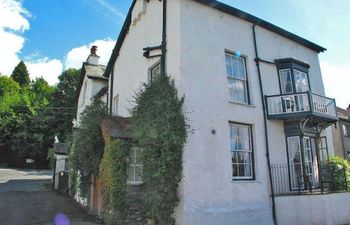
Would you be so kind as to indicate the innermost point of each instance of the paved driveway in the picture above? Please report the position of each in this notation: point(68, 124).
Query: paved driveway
point(26, 199)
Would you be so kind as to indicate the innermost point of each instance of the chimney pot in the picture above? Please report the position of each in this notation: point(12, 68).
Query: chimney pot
point(93, 50)
point(93, 57)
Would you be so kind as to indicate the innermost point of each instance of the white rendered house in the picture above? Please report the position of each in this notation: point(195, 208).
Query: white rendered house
point(92, 84)
point(255, 101)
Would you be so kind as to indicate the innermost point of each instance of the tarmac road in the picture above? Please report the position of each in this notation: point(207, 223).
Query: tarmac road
point(26, 199)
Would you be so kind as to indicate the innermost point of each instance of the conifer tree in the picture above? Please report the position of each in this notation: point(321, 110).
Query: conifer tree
point(21, 75)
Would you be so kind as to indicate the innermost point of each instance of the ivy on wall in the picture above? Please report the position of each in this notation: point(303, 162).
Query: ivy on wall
point(87, 145)
point(112, 178)
point(160, 129)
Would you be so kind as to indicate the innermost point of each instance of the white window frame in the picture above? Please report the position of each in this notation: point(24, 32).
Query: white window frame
point(234, 140)
point(306, 86)
point(231, 76)
point(115, 105)
point(282, 73)
point(346, 130)
point(151, 71)
point(133, 165)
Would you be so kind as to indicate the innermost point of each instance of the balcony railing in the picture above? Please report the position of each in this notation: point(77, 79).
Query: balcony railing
point(306, 178)
point(300, 104)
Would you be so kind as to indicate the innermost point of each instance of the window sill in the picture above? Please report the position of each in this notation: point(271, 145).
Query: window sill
point(242, 181)
point(134, 183)
point(241, 103)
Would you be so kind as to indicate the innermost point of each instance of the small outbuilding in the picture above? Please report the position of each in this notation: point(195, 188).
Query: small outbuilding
point(60, 169)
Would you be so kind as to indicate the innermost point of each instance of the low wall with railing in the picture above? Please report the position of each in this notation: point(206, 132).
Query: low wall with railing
point(308, 178)
point(328, 209)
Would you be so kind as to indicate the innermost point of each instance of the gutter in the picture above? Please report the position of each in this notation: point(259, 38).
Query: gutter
point(110, 98)
point(164, 43)
point(257, 63)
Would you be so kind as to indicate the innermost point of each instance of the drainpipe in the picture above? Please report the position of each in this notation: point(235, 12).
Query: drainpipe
point(111, 95)
point(164, 44)
point(265, 127)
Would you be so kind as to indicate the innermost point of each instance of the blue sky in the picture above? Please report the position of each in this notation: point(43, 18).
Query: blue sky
point(52, 35)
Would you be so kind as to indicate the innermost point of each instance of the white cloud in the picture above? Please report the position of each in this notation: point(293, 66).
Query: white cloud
point(13, 16)
point(77, 56)
point(13, 22)
point(336, 79)
point(46, 68)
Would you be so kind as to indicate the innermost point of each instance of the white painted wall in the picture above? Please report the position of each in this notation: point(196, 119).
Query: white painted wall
point(210, 197)
point(131, 68)
point(328, 209)
point(88, 90)
point(197, 39)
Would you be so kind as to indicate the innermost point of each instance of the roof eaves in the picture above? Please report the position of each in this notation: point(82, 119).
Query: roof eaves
point(82, 75)
point(120, 40)
point(97, 78)
point(262, 23)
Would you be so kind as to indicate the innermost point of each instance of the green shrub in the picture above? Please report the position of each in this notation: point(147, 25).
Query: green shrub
point(160, 129)
point(340, 169)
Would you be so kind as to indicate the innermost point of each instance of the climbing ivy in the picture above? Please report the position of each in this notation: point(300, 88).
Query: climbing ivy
point(159, 128)
point(112, 178)
point(87, 145)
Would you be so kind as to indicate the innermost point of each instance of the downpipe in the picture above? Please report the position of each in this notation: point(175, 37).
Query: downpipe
point(257, 60)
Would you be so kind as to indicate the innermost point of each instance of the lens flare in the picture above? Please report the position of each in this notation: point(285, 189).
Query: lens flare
point(61, 219)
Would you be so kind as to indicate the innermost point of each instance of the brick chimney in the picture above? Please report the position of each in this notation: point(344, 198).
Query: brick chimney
point(93, 57)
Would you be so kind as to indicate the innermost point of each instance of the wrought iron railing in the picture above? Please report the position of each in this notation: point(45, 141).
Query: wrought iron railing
point(306, 178)
point(300, 103)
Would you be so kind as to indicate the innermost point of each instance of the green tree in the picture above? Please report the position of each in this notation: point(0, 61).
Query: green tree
point(41, 92)
point(26, 126)
point(9, 94)
point(21, 75)
point(64, 99)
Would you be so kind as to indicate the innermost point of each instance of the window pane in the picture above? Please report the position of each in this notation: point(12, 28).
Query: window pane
point(241, 151)
point(301, 82)
point(228, 65)
point(286, 81)
point(236, 78)
point(134, 167)
point(235, 170)
point(238, 90)
point(154, 72)
point(345, 130)
point(241, 68)
point(235, 157)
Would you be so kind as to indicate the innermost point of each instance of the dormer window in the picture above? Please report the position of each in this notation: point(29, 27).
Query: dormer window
point(293, 76)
